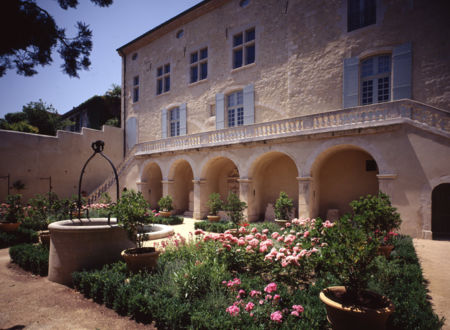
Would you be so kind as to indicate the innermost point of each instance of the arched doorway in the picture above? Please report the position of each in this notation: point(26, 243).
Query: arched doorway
point(440, 211)
point(151, 184)
point(182, 188)
point(272, 173)
point(341, 175)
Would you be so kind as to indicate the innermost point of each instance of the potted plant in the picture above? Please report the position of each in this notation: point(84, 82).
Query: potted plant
point(379, 218)
point(234, 208)
point(11, 213)
point(215, 204)
point(283, 207)
point(132, 214)
point(165, 204)
point(350, 253)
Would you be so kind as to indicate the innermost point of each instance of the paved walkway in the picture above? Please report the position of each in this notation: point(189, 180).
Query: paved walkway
point(33, 302)
point(434, 259)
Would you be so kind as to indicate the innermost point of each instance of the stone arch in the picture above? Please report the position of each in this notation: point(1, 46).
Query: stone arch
point(426, 204)
point(341, 174)
point(270, 173)
point(172, 165)
point(181, 186)
point(151, 182)
point(361, 143)
point(247, 169)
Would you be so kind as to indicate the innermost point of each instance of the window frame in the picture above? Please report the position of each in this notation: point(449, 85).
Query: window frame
point(197, 65)
point(174, 123)
point(374, 80)
point(235, 112)
point(366, 14)
point(243, 48)
point(163, 79)
point(135, 95)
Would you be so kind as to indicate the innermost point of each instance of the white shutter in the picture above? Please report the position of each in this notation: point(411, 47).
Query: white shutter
point(164, 123)
point(183, 119)
point(351, 82)
point(249, 104)
point(131, 132)
point(220, 111)
point(401, 70)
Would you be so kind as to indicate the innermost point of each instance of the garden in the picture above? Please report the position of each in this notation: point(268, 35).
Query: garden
point(235, 275)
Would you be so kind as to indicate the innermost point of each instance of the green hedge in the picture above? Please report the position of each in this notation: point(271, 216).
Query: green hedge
point(22, 235)
point(31, 257)
point(214, 227)
point(172, 220)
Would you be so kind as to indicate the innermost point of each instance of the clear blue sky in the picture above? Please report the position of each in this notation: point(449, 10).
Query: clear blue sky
point(112, 27)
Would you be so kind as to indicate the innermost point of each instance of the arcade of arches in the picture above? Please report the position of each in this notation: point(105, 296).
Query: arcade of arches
point(337, 176)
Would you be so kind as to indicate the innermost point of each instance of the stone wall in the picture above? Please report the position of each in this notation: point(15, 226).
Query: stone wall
point(33, 158)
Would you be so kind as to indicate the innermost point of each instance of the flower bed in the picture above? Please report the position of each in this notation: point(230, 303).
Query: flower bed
point(253, 280)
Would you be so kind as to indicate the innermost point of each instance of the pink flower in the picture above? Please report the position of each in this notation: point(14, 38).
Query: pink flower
point(298, 308)
point(276, 297)
point(287, 224)
point(328, 224)
point(233, 310)
point(199, 232)
point(241, 242)
point(275, 235)
point(271, 287)
point(254, 293)
point(276, 316)
point(242, 230)
point(295, 313)
point(268, 297)
point(254, 230)
point(262, 248)
point(306, 234)
point(249, 306)
point(261, 302)
point(265, 231)
point(254, 242)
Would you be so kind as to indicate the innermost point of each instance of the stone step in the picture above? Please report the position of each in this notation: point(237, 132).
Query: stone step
point(188, 214)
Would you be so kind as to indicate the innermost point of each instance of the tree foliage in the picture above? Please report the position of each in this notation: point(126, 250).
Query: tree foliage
point(30, 34)
point(36, 117)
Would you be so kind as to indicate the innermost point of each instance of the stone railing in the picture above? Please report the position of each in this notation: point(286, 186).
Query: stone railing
point(96, 194)
point(375, 115)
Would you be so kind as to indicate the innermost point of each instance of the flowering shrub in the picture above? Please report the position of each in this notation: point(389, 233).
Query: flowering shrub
point(12, 210)
point(261, 307)
point(292, 254)
point(386, 238)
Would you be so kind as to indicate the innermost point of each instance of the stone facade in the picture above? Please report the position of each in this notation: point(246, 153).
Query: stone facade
point(307, 127)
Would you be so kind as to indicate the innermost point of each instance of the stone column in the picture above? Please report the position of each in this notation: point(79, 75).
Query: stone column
point(304, 196)
point(167, 187)
point(246, 195)
point(199, 199)
point(141, 187)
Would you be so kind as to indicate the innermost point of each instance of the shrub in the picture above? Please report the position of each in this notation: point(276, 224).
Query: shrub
point(12, 210)
point(22, 235)
point(31, 257)
point(172, 220)
point(215, 203)
point(283, 206)
point(165, 203)
point(214, 227)
point(234, 208)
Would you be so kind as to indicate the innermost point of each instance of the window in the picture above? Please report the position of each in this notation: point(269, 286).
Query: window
point(244, 3)
point(134, 56)
point(360, 13)
point(163, 79)
point(136, 89)
point(375, 79)
point(180, 34)
point(244, 48)
point(174, 121)
point(199, 65)
point(235, 109)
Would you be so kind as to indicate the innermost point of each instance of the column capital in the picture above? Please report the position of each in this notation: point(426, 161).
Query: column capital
point(199, 181)
point(304, 178)
point(167, 181)
point(244, 180)
point(141, 183)
point(387, 176)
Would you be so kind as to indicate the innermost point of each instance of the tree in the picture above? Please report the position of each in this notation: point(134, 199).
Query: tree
point(36, 117)
point(30, 34)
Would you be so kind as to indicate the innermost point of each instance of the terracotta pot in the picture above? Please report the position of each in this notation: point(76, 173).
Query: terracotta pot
point(385, 250)
point(9, 227)
point(214, 218)
point(356, 317)
point(44, 237)
point(165, 214)
point(137, 259)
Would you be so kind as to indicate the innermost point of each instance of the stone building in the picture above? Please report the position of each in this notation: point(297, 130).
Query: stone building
point(325, 100)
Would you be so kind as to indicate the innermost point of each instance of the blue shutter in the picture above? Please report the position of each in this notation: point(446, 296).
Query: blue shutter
point(220, 111)
point(351, 82)
point(401, 70)
point(183, 119)
point(131, 132)
point(164, 123)
point(249, 104)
